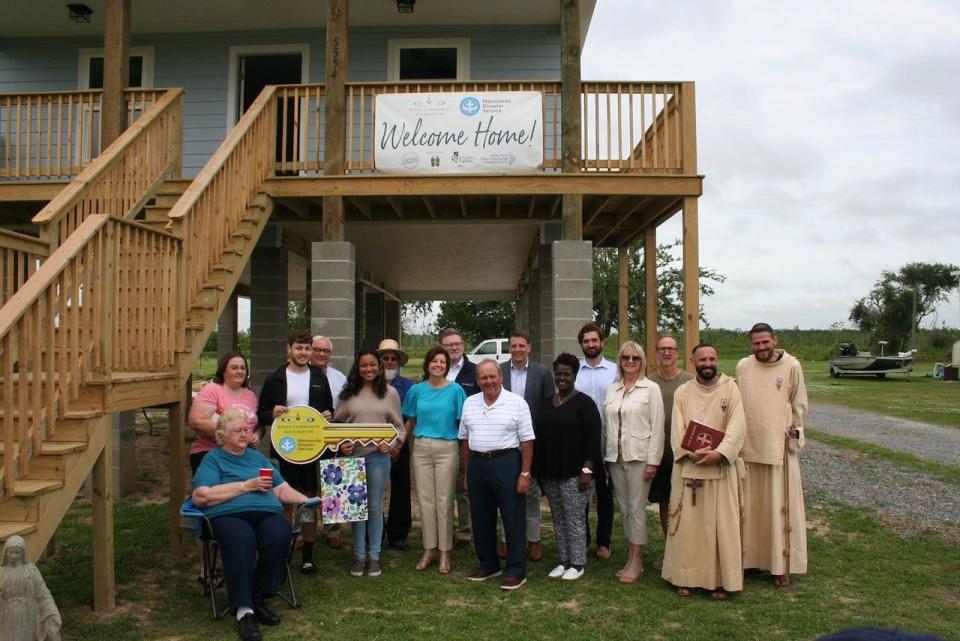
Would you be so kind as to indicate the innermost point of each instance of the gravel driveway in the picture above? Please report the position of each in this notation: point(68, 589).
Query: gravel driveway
point(915, 500)
point(932, 442)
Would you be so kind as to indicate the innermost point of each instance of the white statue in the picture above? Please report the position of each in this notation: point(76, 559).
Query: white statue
point(27, 611)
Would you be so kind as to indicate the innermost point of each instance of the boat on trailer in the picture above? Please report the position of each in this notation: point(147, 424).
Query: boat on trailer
point(853, 362)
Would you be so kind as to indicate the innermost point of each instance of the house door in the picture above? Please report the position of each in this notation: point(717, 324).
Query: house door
point(258, 71)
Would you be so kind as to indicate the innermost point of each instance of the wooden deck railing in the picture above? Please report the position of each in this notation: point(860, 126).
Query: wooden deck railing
point(119, 181)
point(626, 126)
point(213, 206)
point(104, 300)
point(20, 257)
point(57, 134)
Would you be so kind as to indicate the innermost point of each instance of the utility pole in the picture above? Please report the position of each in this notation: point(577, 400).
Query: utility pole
point(956, 274)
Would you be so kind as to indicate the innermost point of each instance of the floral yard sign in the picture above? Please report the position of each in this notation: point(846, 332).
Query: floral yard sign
point(343, 490)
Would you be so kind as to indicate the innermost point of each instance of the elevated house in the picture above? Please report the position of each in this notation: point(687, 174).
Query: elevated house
point(158, 158)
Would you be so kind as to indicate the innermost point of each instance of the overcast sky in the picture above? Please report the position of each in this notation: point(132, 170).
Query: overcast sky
point(828, 133)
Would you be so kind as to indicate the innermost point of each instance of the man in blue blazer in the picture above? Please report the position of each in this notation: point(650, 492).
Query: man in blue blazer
point(534, 382)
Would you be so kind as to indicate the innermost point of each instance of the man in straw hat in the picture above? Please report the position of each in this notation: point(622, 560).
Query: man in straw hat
point(398, 517)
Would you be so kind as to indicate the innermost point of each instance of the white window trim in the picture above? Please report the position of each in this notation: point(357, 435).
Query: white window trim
point(462, 45)
point(233, 72)
point(147, 53)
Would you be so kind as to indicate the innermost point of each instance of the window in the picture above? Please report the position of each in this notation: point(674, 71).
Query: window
point(141, 68)
point(487, 348)
point(430, 59)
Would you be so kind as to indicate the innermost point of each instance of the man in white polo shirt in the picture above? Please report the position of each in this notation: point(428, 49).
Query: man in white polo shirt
point(496, 433)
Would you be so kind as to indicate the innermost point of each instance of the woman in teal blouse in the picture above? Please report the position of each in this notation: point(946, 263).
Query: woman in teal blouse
point(433, 408)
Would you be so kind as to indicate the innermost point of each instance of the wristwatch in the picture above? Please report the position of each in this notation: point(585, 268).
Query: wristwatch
point(586, 470)
point(526, 475)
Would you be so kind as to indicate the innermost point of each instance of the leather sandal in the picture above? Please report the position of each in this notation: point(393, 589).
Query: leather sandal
point(426, 560)
point(444, 563)
point(684, 592)
point(781, 580)
point(719, 595)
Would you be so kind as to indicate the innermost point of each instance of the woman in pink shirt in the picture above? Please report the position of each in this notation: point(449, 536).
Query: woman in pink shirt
point(229, 390)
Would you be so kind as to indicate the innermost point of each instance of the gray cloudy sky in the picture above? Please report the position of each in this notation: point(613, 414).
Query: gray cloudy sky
point(828, 132)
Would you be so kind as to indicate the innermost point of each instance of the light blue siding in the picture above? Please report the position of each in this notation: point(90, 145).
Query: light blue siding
point(199, 63)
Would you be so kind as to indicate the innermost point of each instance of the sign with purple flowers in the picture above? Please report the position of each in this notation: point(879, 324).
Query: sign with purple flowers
point(343, 490)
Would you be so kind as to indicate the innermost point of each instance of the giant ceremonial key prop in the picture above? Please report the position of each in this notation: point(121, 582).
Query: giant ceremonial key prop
point(301, 434)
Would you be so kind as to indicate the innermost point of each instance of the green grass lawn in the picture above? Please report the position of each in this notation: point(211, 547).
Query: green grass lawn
point(917, 397)
point(860, 574)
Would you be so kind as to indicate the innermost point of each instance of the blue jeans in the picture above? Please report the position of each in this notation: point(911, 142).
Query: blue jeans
point(368, 535)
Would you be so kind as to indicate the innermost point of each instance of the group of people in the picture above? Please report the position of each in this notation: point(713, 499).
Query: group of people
point(483, 441)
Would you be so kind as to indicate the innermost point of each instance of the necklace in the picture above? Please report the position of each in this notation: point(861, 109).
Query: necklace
point(557, 401)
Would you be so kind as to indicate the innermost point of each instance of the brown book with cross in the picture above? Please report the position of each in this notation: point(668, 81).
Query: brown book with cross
point(699, 436)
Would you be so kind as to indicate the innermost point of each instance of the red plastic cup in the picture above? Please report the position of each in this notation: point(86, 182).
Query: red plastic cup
point(266, 473)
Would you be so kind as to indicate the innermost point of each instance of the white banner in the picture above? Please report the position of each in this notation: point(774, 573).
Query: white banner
point(466, 133)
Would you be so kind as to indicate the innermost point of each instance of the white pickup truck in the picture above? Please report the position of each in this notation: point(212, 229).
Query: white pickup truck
point(496, 348)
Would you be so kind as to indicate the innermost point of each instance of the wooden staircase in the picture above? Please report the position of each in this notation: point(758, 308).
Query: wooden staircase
point(156, 211)
point(139, 268)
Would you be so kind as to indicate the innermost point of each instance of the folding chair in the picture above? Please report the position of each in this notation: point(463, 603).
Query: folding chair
point(194, 521)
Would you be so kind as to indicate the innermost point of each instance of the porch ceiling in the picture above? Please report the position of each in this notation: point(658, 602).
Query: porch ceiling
point(30, 18)
point(431, 261)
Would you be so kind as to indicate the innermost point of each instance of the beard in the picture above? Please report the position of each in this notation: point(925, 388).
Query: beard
point(390, 374)
point(592, 352)
point(706, 373)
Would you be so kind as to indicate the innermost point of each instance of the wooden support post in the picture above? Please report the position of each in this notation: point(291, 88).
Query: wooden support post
point(104, 594)
point(623, 294)
point(652, 299)
point(570, 97)
point(691, 280)
point(116, 70)
point(335, 113)
point(688, 127)
point(178, 486)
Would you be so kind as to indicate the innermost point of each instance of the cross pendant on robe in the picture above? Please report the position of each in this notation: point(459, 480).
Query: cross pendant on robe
point(693, 485)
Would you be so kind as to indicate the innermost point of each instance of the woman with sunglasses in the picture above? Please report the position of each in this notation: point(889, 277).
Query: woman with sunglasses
point(633, 436)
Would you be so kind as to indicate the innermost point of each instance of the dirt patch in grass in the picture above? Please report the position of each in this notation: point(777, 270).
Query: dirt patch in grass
point(818, 527)
point(909, 528)
point(153, 457)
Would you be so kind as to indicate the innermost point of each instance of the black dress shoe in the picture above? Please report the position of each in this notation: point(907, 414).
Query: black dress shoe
point(248, 629)
point(398, 545)
point(265, 615)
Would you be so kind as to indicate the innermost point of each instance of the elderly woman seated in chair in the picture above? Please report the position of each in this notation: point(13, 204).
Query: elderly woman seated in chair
point(246, 514)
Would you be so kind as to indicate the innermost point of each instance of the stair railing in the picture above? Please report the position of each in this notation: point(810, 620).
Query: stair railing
point(212, 207)
point(106, 299)
point(122, 178)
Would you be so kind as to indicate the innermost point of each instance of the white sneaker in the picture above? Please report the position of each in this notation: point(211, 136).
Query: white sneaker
point(572, 574)
point(557, 572)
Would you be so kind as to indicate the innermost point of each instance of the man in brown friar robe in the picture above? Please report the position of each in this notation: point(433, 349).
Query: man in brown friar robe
point(703, 542)
point(775, 404)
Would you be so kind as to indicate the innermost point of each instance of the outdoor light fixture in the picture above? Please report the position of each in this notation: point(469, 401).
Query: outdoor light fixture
point(80, 12)
point(405, 6)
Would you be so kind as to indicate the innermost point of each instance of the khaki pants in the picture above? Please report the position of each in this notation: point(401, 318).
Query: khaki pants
point(631, 491)
point(435, 464)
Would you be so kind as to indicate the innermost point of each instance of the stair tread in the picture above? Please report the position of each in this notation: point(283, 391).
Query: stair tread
point(69, 414)
point(9, 528)
point(32, 487)
point(58, 447)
